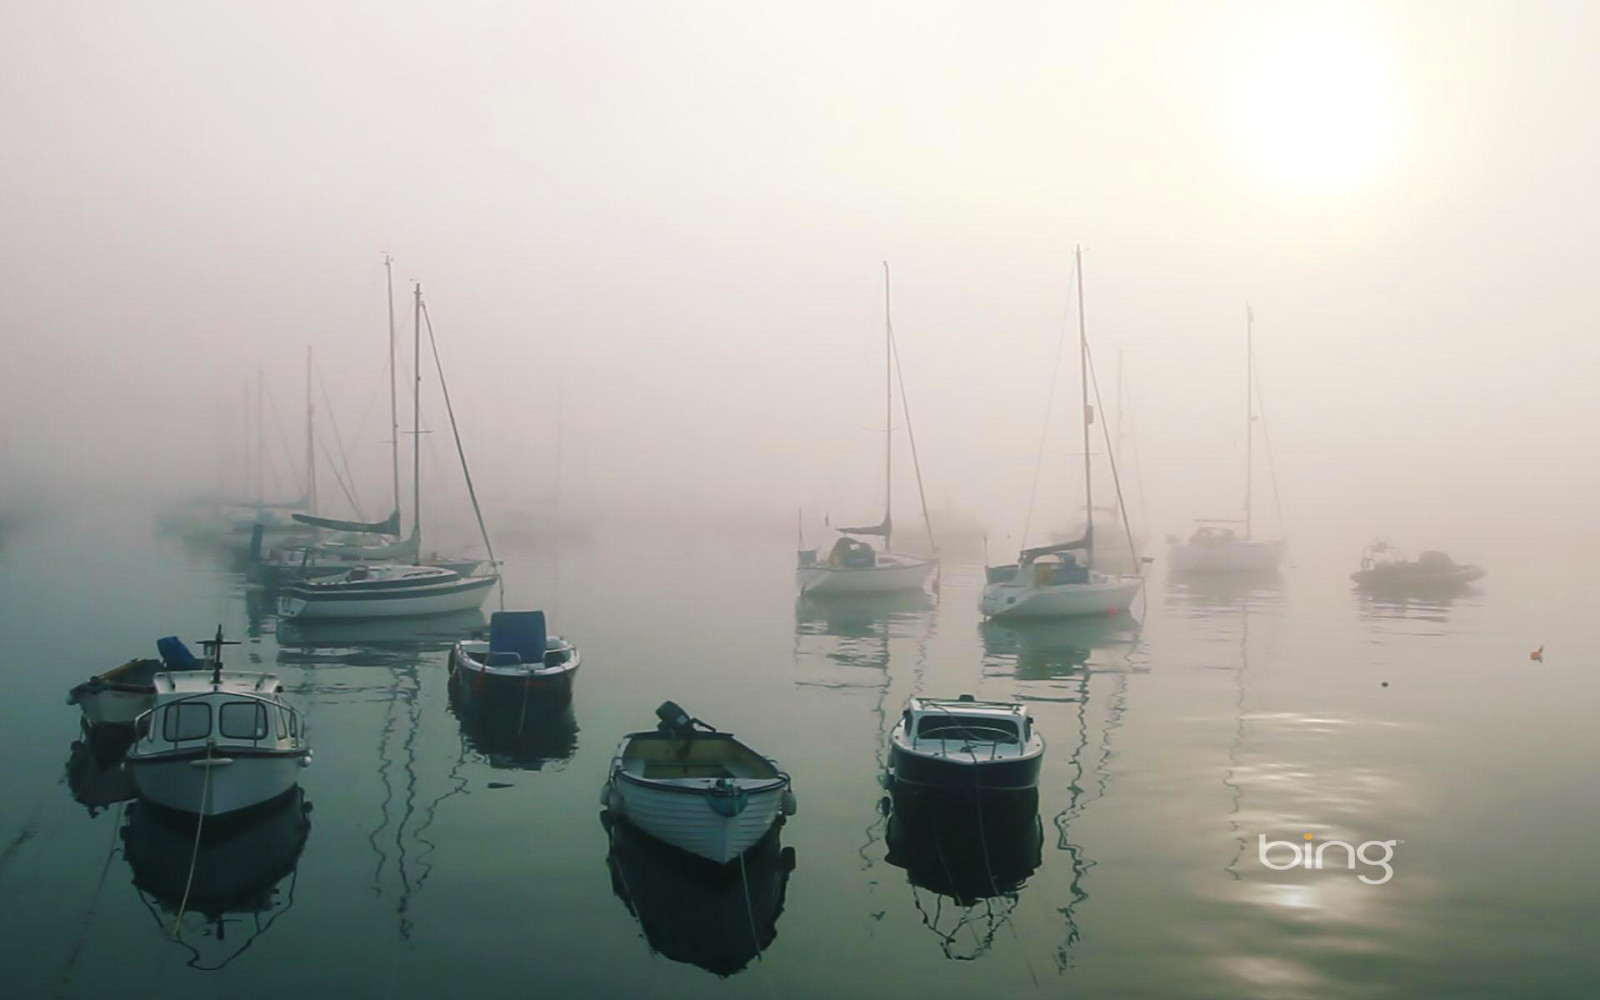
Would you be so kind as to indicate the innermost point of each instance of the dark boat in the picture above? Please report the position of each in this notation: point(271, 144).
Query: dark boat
point(1385, 569)
point(965, 744)
point(714, 916)
point(520, 663)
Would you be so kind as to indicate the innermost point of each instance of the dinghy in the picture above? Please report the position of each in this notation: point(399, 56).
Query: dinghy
point(700, 790)
point(1384, 568)
point(217, 742)
point(520, 664)
point(964, 744)
point(118, 696)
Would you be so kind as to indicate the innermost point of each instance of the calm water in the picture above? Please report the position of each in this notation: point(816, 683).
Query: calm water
point(439, 857)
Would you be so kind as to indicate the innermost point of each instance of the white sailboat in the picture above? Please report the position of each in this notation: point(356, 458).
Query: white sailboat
point(853, 566)
point(1215, 547)
point(396, 590)
point(1048, 581)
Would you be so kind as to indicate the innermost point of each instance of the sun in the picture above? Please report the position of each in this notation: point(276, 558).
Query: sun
point(1321, 109)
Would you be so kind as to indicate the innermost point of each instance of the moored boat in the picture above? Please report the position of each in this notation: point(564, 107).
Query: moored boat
point(695, 788)
point(520, 663)
point(385, 591)
point(964, 744)
point(118, 696)
point(1384, 568)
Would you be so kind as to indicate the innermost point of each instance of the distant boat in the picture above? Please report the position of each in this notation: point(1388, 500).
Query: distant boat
point(1385, 568)
point(853, 566)
point(1215, 547)
point(391, 590)
point(217, 741)
point(700, 790)
point(518, 665)
point(965, 745)
point(1048, 581)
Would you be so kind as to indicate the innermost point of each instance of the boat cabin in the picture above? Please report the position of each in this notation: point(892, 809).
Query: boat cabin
point(966, 720)
point(230, 709)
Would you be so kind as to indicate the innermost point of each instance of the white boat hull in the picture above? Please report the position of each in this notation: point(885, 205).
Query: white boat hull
point(686, 820)
point(1102, 595)
point(1237, 556)
point(439, 602)
point(236, 783)
point(894, 574)
point(114, 708)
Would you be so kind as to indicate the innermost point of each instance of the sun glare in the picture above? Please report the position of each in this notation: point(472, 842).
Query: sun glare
point(1321, 111)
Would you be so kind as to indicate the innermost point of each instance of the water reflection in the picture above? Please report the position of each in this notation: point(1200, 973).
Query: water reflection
point(861, 615)
point(713, 916)
point(1377, 606)
point(373, 642)
point(507, 737)
point(967, 859)
point(1047, 650)
point(95, 774)
point(198, 890)
point(1200, 594)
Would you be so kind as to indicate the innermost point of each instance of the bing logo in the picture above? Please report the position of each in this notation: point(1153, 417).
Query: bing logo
point(1314, 856)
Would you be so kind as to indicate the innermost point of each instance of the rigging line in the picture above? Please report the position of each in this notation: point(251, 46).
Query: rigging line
point(1272, 466)
point(1122, 503)
point(911, 435)
point(345, 488)
point(199, 825)
point(283, 443)
point(338, 439)
point(460, 451)
point(94, 900)
point(1049, 407)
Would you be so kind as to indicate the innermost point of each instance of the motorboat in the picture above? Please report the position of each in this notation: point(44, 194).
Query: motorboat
point(118, 696)
point(217, 742)
point(695, 788)
point(715, 917)
point(1384, 568)
point(385, 591)
point(962, 744)
point(1213, 549)
point(520, 663)
point(1049, 581)
point(852, 566)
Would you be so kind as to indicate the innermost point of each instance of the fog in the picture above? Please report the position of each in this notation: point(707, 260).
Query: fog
point(651, 237)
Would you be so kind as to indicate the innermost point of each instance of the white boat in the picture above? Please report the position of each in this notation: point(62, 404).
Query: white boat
point(853, 566)
point(1048, 581)
point(697, 789)
point(963, 744)
point(118, 696)
point(217, 742)
point(385, 591)
point(1215, 547)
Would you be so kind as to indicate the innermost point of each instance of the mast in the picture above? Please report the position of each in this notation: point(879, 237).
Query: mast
point(416, 422)
point(1088, 413)
point(261, 438)
point(394, 417)
point(888, 413)
point(311, 444)
point(1249, 415)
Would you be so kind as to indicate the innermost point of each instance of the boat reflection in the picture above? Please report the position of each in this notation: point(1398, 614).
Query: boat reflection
point(1203, 593)
point(509, 737)
point(713, 916)
point(1377, 605)
point(862, 615)
point(967, 859)
point(378, 641)
point(1049, 650)
point(196, 889)
point(95, 774)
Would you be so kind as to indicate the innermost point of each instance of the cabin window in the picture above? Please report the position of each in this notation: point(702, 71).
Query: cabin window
point(186, 720)
point(243, 720)
point(967, 727)
point(294, 725)
point(283, 723)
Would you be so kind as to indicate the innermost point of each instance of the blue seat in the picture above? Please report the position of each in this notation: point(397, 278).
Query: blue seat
point(175, 654)
point(519, 632)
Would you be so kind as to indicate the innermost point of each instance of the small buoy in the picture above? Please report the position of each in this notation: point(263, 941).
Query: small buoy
point(1385, 683)
point(789, 804)
point(1537, 655)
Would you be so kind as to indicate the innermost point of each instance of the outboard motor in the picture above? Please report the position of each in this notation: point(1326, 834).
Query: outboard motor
point(674, 720)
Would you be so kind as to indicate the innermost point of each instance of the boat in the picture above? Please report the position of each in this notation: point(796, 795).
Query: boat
point(395, 589)
point(217, 742)
point(520, 663)
point(120, 695)
point(695, 788)
point(852, 565)
point(963, 744)
point(1215, 547)
point(1384, 568)
point(1048, 581)
point(715, 917)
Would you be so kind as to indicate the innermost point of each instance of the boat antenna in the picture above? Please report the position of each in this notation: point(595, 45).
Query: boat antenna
point(460, 451)
point(394, 415)
point(1088, 416)
point(213, 648)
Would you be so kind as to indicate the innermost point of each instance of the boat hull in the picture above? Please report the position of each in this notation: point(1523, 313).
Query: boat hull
point(686, 820)
point(1229, 557)
point(484, 688)
point(113, 705)
point(463, 595)
point(925, 772)
point(1111, 596)
point(238, 781)
point(903, 574)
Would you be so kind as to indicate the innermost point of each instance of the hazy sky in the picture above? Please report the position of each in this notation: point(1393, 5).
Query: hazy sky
point(678, 210)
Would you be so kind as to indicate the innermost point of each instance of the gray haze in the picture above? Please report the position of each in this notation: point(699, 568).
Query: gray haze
point(678, 212)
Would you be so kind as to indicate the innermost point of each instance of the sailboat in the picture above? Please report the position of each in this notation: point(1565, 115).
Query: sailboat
point(1215, 547)
point(1048, 581)
point(853, 566)
point(392, 590)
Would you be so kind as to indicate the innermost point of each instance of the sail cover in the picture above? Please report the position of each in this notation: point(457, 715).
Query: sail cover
point(1086, 542)
point(404, 548)
point(389, 526)
point(883, 529)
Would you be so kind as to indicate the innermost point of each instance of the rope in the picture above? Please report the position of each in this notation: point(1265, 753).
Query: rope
point(916, 464)
point(749, 909)
point(344, 458)
point(1122, 503)
point(199, 825)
